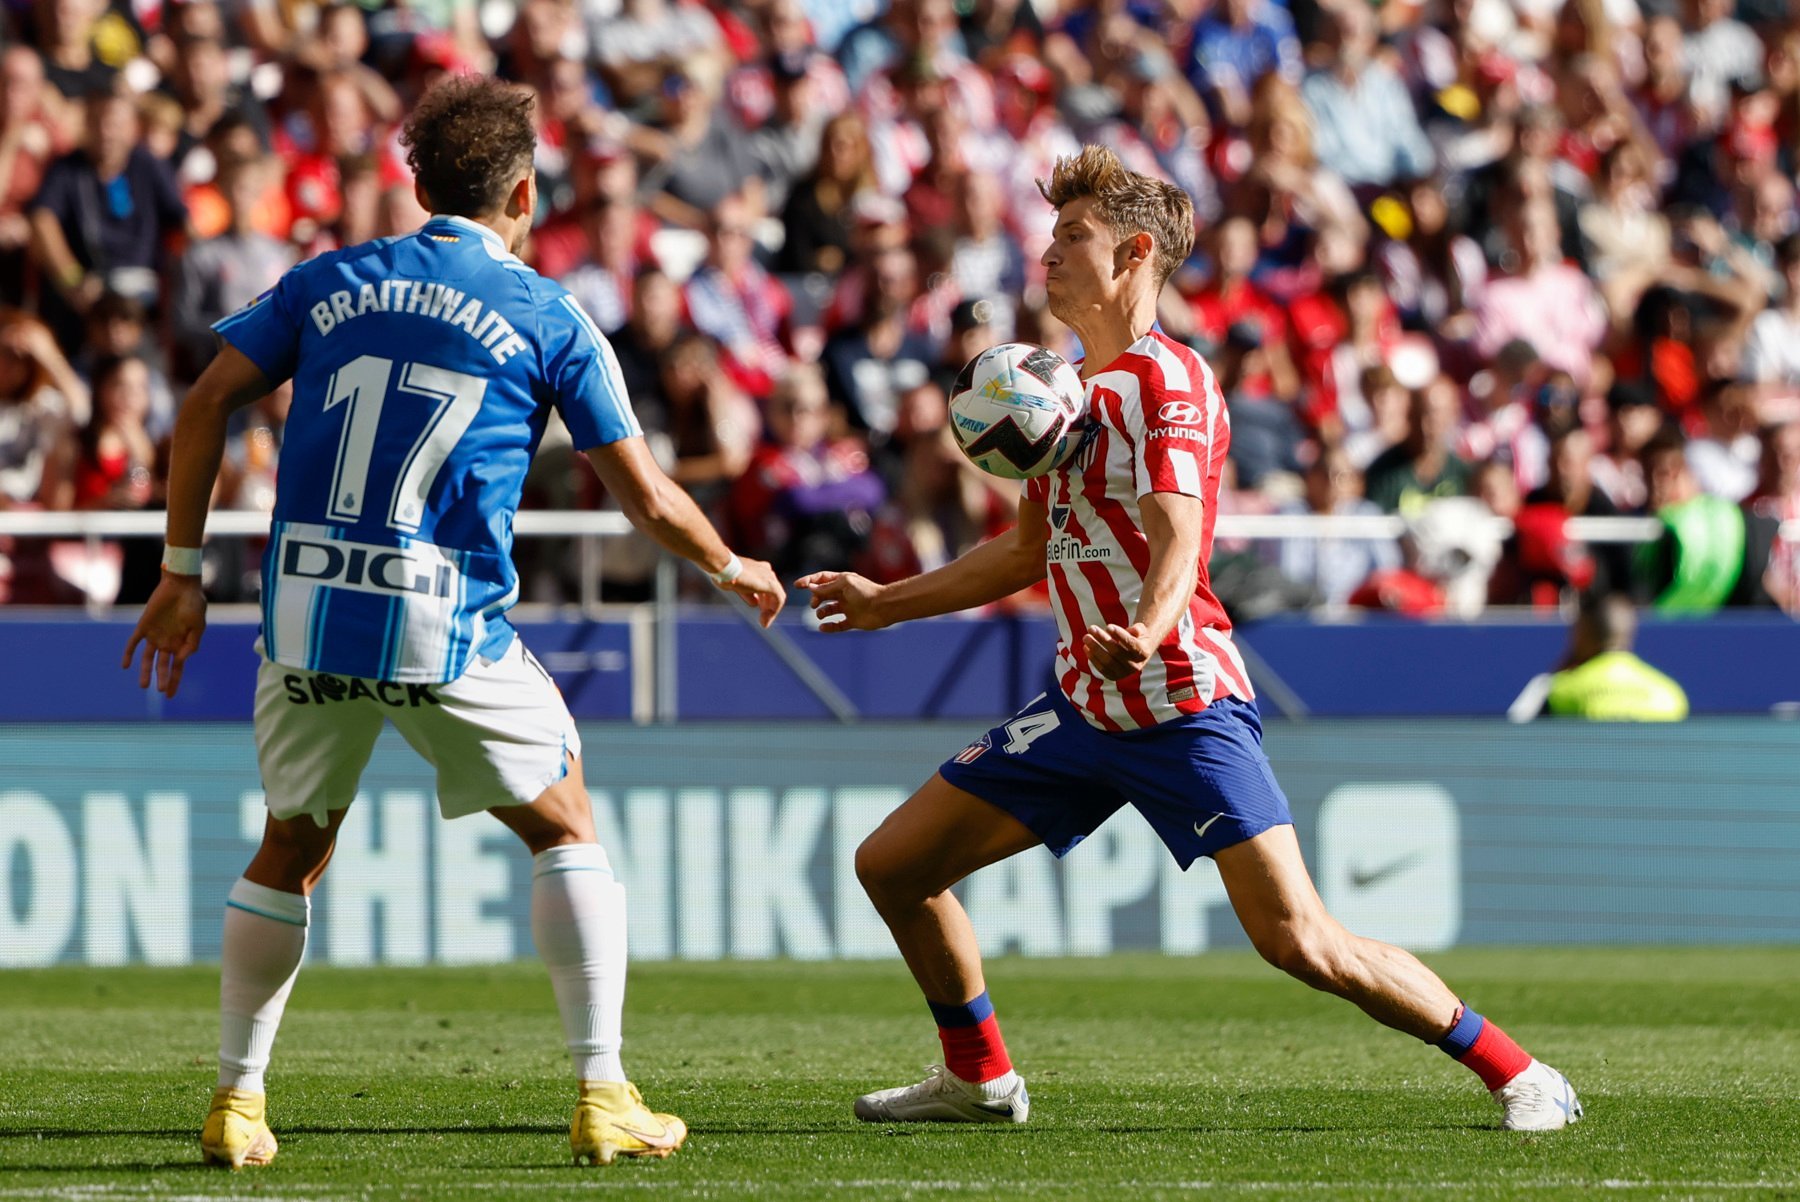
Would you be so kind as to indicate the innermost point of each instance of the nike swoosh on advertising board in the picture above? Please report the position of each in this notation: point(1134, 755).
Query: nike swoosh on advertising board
point(1362, 878)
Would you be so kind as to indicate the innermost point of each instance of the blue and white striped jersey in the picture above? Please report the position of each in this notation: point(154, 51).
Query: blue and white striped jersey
point(424, 369)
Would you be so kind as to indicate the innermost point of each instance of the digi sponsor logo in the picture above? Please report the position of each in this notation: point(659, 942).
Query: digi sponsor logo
point(368, 569)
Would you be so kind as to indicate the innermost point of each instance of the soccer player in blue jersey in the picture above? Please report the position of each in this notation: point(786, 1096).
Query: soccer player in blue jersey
point(425, 368)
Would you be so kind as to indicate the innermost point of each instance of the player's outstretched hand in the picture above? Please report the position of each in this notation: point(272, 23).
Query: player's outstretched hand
point(760, 588)
point(846, 597)
point(1119, 651)
point(174, 619)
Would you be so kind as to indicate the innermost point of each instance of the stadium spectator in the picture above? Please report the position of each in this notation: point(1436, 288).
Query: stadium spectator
point(1231, 296)
point(972, 331)
point(819, 214)
point(710, 424)
point(1431, 273)
point(644, 341)
point(115, 455)
point(41, 401)
point(870, 365)
point(65, 42)
point(602, 282)
point(1549, 560)
point(641, 45)
point(120, 328)
point(1720, 51)
point(1711, 554)
point(940, 505)
point(1237, 43)
point(1335, 567)
point(201, 83)
point(1389, 405)
point(1772, 353)
point(807, 498)
point(29, 140)
point(785, 144)
point(101, 217)
point(1421, 466)
point(1506, 426)
point(733, 299)
point(1632, 420)
point(702, 156)
point(1543, 299)
point(1777, 499)
point(221, 275)
point(1601, 679)
point(1367, 130)
point(1726, 454)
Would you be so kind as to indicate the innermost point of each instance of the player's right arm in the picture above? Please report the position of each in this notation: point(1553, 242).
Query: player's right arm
point(590, 394)
point(662, 509)
point(987, 573)
point(175, 616)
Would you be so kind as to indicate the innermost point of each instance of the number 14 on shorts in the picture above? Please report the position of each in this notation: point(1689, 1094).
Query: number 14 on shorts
point(1020, 733)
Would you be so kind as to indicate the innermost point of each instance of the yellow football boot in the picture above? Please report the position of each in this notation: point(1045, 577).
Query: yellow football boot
point(236, 1134)
point(611, 1120)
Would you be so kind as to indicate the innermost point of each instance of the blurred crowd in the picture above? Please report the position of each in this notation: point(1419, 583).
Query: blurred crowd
point(1530, 258)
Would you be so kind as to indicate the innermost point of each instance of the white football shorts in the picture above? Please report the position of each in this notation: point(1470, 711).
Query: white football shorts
point(498, 735)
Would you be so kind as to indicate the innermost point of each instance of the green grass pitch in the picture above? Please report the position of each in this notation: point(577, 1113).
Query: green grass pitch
point(1211, 1077)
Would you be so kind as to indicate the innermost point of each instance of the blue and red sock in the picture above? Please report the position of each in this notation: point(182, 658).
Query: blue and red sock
point(970, 1033)
point(1484, 1049)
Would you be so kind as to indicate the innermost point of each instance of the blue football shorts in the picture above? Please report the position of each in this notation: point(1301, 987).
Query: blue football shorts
point(1202, 781)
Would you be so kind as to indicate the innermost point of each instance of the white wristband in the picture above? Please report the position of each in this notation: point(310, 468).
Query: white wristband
point(182, 561)
point(730, 572)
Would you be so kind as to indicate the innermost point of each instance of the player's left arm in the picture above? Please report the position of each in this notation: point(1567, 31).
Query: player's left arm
point(175, 616)
point(1172, 525)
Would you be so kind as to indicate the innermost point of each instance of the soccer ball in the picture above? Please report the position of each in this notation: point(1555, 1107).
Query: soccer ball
point(1015, 410)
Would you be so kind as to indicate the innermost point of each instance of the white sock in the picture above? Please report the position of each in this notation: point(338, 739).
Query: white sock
point(578, 923)
point(265, 936)
point(999, 1087)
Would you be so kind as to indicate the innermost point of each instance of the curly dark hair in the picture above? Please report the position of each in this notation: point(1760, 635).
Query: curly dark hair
point(467, 141)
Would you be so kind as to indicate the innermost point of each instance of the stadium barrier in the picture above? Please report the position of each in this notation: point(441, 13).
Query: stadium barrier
point(118, 844)
point(724, 669)
point(666, 662)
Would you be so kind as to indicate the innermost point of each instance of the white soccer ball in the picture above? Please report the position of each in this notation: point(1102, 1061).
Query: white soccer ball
point(1016, 410)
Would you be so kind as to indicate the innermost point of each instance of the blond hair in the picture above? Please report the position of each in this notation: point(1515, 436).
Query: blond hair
point(1128, 202)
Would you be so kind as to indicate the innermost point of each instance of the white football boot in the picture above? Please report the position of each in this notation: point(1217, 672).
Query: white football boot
point(943, 1097)
point(1538, 1099)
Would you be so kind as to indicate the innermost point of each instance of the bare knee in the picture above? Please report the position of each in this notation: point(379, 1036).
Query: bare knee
point(293, 853)
point(1316, 953)
point(886, 877)
point(561, 815)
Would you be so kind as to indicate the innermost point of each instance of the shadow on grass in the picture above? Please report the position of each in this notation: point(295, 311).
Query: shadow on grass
point(284, 1130)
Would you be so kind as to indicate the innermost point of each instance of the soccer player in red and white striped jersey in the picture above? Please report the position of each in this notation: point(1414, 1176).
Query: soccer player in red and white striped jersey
point(1159, 427)
point(1148, 704)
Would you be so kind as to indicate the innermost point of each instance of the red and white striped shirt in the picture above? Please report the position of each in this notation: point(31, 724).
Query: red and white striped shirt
point(1157, 423)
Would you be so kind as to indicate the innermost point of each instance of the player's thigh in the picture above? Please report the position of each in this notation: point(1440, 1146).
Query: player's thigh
point(499, 735)
point(561, 814)
point(937, 837)
point(314, 735)
point(1202, 782)
point(1024, 782)
point(1273, 895)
